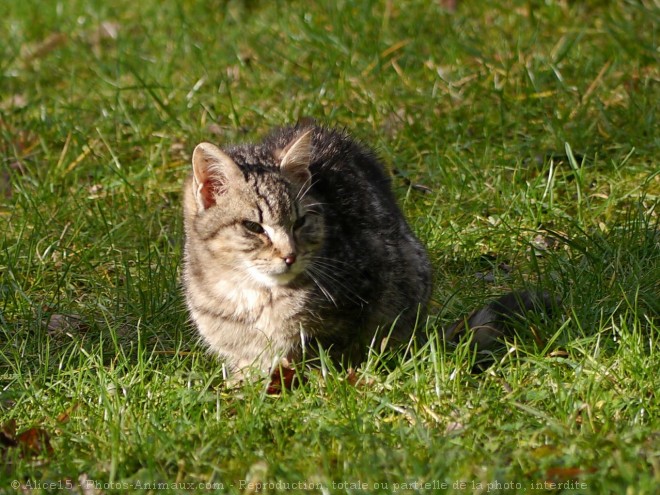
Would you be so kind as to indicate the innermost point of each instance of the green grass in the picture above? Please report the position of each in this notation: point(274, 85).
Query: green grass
point(533, 126)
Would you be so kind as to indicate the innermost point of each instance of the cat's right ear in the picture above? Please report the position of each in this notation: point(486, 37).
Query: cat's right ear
point(213, 172)
point(297, 157)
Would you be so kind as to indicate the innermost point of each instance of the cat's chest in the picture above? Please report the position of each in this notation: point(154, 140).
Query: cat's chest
point(266, 308)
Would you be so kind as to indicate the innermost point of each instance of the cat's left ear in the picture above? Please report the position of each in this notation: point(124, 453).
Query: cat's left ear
point(296, 159)
point(213, 172)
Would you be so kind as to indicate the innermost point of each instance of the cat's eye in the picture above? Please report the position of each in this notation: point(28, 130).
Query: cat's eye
point(253, 227)
point(299, 223)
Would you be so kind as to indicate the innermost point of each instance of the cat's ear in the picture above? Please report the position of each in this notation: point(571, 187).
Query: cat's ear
point(296, 159)
point(213, 172)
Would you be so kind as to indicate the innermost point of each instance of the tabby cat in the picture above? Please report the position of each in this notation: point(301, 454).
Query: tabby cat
point(298, 241)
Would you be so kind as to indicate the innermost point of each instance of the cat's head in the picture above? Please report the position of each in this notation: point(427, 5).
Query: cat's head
point(258, 220)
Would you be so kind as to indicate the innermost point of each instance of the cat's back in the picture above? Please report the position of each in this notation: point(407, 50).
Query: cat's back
point(349, 180)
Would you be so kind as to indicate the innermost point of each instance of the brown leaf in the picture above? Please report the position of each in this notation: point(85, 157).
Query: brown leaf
point(8, 434)
point(351, 376)
point(64, 416)
point(544, 451)
point(59, 324)
point(422, 188)
point(454, 427)
point(541, 243)
point(87, 485)
point(255, 477)
point(216, 129)
point(14, 102)
point(283, 378)
point(558, 353)
point(359, 381)
point(32, 442)
point(546, 241)
point(43, 48)
point(396, 121)
point(537, 336)
point(449, 5)
point(5, 185)
point(24, 141)
point(95, 191)
point(106, 30)
point(557, 474)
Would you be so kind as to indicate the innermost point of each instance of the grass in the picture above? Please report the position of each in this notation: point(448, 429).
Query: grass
point(526, 146)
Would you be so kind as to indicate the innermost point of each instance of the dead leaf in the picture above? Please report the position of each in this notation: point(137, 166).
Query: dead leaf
point(395, 121)
point(64, 416)
point(283, 378)
point(557, 474)
point(558, 353)
point(543, 243)
point(62, 324)
point(256, 477)
point(178, 148)
point(422, 188)
point(544, 451)
point(14, 102)
point(8, 434)
point(351, 376)
point(215, 129)
point(448, 5)
point(39, 50)
point(87, 485)
point(537, 336)
point(35, 441)
point(32, 442)
point(5, 185)
point(22, 140)
point(359, 381)
point(105, 30)
point(95, 191)
point(454, 427)
point(5, 177)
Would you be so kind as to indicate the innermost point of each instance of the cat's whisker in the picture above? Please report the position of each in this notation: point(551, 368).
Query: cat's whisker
point(306, 187)
point(323, 290)
point(329, 262)
point(310, 206)
point(334, 273)
point(330, 278)
point(333, 263)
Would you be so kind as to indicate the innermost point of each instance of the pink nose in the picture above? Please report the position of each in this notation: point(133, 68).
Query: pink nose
point(290, 259)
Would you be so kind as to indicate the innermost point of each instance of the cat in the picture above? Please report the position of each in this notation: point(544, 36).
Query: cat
point(298, 241)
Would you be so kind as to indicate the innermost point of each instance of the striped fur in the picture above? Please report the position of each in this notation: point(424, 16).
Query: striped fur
point(295, 240)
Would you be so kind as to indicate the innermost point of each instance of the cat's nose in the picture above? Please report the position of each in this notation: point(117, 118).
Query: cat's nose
point(290, 259)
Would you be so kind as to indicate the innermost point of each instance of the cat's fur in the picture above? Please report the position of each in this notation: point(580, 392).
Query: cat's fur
point(299, 240)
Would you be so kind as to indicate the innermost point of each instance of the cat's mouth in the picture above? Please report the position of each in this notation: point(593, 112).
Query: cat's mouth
point(280, 277)
point(284, 278)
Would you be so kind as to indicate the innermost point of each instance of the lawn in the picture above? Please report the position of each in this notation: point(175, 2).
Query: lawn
point(524, 147)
